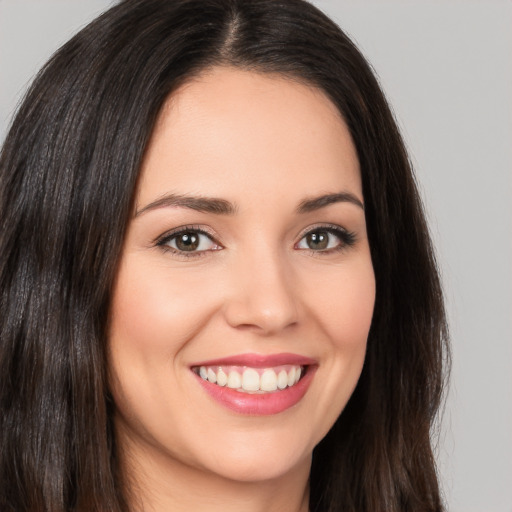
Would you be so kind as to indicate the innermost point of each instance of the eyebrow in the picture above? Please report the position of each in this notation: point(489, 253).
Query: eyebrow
point(315, 203)
point(222, 207)
point(199, 203)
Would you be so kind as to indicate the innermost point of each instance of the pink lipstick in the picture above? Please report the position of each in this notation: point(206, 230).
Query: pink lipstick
point(256, 384)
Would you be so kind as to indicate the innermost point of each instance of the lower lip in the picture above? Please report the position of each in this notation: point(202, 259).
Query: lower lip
point(259, 404)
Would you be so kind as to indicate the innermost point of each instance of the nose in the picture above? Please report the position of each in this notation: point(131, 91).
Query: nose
point(262, 295)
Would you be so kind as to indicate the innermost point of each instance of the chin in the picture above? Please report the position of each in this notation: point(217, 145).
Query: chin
point(260, 456)
point(260, 469)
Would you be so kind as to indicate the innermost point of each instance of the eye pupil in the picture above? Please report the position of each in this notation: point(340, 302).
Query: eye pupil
point(187, 242)
point(318, 240)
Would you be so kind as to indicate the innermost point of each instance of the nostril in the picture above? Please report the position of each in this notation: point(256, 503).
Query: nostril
point(251, 316)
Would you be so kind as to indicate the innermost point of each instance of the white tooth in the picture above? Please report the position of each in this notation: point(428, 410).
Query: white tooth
point(234, 380)
point(291, 377)
point(282, 379)
point(211, 376)
point(297, 374)
point(202, 372)
point(250, 380)
point(268, 381)
point(222, 378)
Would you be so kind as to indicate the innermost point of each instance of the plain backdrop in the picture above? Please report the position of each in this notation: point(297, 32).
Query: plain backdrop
point(446, 67)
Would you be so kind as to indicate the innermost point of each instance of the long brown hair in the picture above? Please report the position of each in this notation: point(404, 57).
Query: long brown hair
point(68, 172)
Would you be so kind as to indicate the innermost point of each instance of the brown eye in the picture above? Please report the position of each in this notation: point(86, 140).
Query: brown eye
point(190, 241)
point(318, 240)
point(325, 239)
point(187, 241)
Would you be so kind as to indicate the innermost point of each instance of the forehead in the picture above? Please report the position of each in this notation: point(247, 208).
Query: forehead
point(230, 132)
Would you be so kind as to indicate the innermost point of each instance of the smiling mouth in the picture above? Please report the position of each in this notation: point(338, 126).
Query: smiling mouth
point(252, 380)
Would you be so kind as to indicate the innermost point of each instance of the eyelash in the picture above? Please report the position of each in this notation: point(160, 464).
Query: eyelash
point(347, 239)
point(165, 239)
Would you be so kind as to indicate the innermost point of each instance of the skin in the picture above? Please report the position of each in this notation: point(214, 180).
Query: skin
point(265, 144)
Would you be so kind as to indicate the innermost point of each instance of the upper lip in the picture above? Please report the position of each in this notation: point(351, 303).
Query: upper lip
point(259, 360)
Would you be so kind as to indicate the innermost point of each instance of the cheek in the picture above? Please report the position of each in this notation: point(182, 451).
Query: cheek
point(153, 316)
point(156, 310)
point(343, 303)
point(339, 308)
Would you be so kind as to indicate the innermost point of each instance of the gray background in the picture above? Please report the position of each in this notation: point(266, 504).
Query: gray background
point(446, 68)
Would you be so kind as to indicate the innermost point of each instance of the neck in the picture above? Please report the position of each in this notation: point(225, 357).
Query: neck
point(157, 483)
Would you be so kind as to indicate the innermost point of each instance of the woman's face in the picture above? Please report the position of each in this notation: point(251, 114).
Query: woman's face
point(247, 261)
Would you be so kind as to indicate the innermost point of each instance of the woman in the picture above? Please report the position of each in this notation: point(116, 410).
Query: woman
point(218, 288)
